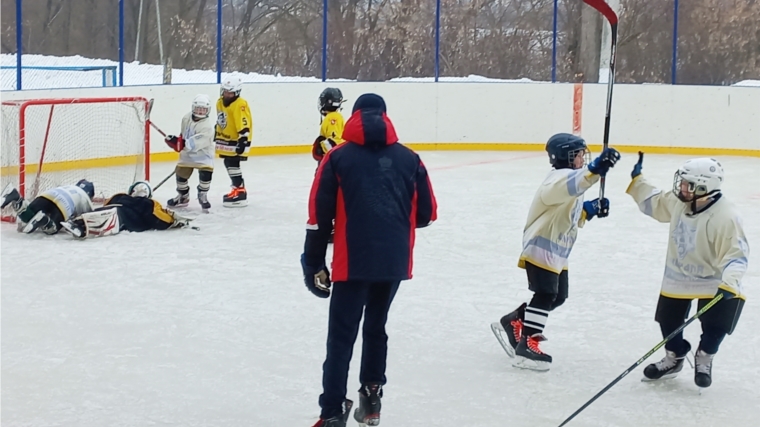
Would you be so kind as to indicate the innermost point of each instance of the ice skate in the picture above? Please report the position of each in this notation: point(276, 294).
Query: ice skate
point(180, 201)
point(703, 369)
point(203, 200)
point(236, 198)
point(75, 227)
point(39, 220)
point(8, 196)
point(528, 355)
point(339, 421)
point(368, 412)
point(668, 367)
point(510, 325)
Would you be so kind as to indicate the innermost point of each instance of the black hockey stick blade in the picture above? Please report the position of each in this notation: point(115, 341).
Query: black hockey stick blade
point(612, 18)
point(645, 357)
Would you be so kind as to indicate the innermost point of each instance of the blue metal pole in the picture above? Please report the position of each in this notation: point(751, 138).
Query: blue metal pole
point(121, 42)
point(219, 41)
point(437, 39)
point(674, 64)
point(324, 40)
point(19, 44)
point(554, 42)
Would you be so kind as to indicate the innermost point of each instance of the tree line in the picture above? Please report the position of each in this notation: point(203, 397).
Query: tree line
point(374, 40)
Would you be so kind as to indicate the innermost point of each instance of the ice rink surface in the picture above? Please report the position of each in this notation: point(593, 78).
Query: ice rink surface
point(215, 327)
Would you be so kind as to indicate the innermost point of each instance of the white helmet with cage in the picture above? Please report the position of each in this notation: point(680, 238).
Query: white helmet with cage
point(703, 176)
point(232, 84)
point(201, 106)
point(140, 189)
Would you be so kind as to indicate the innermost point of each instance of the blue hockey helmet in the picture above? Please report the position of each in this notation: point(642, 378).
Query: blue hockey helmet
point(87, 186)
point(563, 148)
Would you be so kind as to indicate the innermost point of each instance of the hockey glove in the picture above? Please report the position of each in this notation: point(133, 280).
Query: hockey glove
point(316, 150)
point(596, 208)
point(175, 142)
point(317, 279)
point(727, 291)
point(240, 149)
point(605, 161)
point(637, 167)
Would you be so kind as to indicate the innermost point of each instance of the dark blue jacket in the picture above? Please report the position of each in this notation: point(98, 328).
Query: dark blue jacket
point(378, 192)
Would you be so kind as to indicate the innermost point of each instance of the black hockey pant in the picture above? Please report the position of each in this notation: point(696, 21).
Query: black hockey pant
point(347, 302)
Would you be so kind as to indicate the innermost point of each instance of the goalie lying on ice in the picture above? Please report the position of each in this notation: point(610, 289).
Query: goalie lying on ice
point(132, 211)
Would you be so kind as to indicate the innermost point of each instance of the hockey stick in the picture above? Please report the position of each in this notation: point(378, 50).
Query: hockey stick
point(645, 357)
point(164, 180)
point(612, 17)
point(147, 119)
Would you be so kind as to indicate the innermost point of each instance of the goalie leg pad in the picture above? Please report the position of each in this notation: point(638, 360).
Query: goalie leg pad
point(99, 223)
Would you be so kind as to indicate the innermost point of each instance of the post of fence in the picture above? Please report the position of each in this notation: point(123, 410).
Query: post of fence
point(219, 41)
point(437, 39)
point(324, 40)
point(19, 44)
point(554, 42)
point(121, 42)
point(674, 61)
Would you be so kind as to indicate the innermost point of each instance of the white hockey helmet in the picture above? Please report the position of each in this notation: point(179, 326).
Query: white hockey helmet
point(703, 175)
point(201, 106)
point(232, 84)
point(140, 189)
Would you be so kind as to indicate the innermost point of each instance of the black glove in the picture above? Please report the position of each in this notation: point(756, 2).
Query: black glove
point(240, 149)
point(604, 162)
point(597, 208)
point(637, 167)
point(317, 279)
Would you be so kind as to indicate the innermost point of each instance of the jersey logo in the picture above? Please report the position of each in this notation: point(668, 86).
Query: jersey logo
point(332, 122)
point(221, 119)
point(685, 238)
point(242, 108)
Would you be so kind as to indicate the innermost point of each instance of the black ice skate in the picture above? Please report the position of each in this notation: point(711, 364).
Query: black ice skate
point(668, 367)
point(339, 421)
point(8, 196)
point(528, 355)
point(180, 201)
point(203, 200)
point(703, 368)
point(75, 227)
point(511, 325)
point(236, 198)
point(39, 221)
point(368, 412)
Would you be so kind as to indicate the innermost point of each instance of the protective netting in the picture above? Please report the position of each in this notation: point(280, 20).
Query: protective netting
point(48, 143)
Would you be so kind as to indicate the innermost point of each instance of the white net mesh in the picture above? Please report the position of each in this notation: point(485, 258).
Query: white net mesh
point(62, 141)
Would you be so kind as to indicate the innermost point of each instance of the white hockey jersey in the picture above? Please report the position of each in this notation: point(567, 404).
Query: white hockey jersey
point(71, 200)
point(704, 250)
point(554, 218)
point(199, 143)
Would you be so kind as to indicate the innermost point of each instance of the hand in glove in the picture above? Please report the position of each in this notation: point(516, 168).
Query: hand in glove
point(240, 149)
point(727, 291)
point(604, 162)
point(317, 279)
point(597, 208)
point(637, 167)
point(175, 142)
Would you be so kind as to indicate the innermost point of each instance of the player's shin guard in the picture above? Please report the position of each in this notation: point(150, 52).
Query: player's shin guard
point(204, 184)
point(94, 224)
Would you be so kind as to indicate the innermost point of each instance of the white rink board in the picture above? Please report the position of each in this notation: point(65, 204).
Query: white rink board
point(524, 113)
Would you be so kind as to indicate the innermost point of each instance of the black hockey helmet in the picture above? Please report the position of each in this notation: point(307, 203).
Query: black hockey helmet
point(87, 186)
point(330, 100)
point(563, 148)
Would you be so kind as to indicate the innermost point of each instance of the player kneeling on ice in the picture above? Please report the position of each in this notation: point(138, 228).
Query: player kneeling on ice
point(49, 209)
point(196, 151)
point(555, 215)
point(134, 210)
point(707, 256)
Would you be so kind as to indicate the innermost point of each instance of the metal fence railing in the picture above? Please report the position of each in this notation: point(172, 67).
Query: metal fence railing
point(194, 41)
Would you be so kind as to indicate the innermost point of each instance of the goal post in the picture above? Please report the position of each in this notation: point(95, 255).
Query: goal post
point(52, 142)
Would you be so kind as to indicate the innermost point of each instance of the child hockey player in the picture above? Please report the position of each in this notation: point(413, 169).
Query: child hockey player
point(234, 129)
point(557, 211)
point(706, 256)
point(195, 146)
point(134, 211)
point(47, 210)
point(331, 127)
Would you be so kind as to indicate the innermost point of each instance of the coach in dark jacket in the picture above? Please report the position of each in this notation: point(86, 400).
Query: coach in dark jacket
point(378, 192)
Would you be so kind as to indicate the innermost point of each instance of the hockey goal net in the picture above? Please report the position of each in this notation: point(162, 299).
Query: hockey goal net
point(51, 142)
